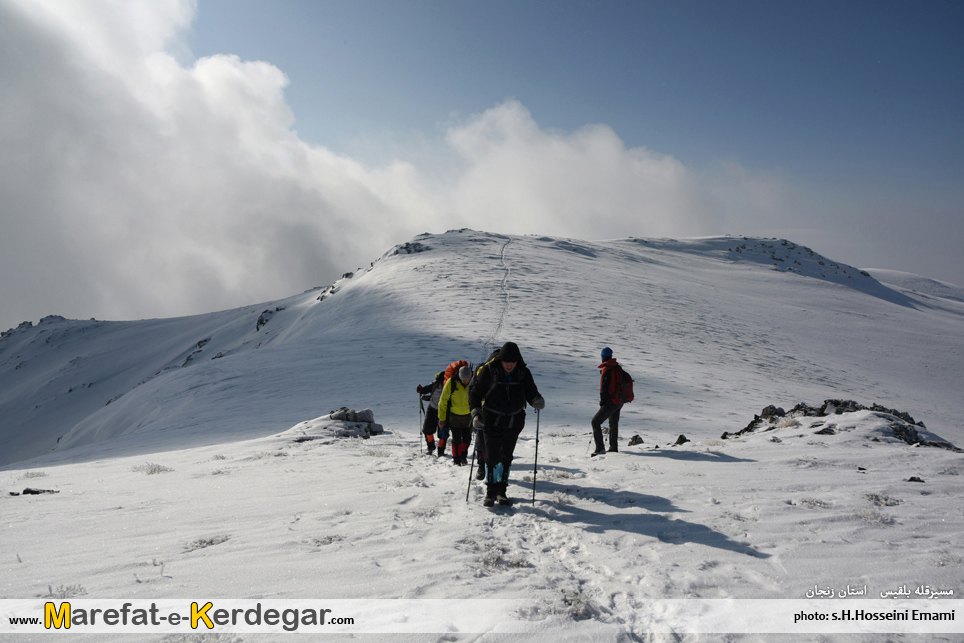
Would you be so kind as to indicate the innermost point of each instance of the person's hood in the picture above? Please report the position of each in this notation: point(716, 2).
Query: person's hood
point(510, 353)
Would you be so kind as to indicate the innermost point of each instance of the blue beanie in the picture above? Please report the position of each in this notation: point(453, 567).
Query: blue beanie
point(607, 353)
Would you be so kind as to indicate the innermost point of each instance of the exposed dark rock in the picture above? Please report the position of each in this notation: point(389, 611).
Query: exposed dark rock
point(836, 407)
point(899, 414)
point(771, 412)
point(327, 292)
point(410, 248)
point(263, 319)
point(804, 410)
point(904, 426)
point(356, 423)
point(752, 426)
point(909, 434)
point(346, 414)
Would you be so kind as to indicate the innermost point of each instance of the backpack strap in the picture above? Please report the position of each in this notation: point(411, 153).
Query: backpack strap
point(448, 407)
point(502, 383)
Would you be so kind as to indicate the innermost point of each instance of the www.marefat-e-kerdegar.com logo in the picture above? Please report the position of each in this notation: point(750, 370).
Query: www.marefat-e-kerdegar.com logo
point(336, 616)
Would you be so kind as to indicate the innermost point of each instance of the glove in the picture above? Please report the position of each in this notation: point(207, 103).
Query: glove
point(477, 422)
point(539, 403)
point(419, 388)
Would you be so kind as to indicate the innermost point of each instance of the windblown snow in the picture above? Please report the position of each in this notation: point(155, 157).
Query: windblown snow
point(197, 457)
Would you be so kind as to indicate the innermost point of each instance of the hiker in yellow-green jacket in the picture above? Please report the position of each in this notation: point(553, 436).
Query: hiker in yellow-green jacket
point(454, 414)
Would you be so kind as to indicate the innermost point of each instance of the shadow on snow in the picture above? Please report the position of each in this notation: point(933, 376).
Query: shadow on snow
point(665, 529)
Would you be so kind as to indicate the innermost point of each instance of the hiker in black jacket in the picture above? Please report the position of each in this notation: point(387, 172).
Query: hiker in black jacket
point(608, 407)
point(431, 393)
point(498, 397)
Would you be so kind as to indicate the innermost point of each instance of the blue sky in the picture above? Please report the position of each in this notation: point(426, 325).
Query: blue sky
point(170, 157)
point(872, 89)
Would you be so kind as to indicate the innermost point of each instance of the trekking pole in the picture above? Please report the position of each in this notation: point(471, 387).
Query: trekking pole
point(418, 432)
point(535, 465)
point(472, 466)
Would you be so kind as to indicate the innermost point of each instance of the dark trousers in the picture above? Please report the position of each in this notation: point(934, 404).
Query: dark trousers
point(480, 448)
point(608, 412)
point(461, 426)
point(500, 444)
point(431, 421)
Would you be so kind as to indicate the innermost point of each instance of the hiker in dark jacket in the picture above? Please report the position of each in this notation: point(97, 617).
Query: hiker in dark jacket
point(608, 407)
point(431, 393)
point(498, 397)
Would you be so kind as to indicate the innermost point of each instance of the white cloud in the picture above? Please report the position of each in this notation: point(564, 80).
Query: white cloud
point(586, 184)
point(137, 186)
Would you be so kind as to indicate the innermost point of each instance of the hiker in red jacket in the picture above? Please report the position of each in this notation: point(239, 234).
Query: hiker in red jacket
point(608, 407)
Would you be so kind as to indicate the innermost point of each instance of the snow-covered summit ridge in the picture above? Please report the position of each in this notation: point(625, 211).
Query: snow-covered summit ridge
point(781, 255)
point(710, 328)
point(922, 286)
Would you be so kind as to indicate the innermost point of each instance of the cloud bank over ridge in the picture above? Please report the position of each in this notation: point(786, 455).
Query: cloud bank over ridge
point(138, 185)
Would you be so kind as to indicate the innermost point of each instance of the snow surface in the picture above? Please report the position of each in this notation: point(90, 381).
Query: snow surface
point(194, 457)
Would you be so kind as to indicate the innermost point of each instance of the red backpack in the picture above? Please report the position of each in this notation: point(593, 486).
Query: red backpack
point(453, 369)
point(620, 386)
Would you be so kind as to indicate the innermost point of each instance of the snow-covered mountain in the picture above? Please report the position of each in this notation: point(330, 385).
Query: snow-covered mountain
point(719, 326)
point(713, 330)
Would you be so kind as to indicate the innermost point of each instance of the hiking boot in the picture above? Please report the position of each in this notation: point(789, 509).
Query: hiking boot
point(441, 448)
point(502, 499)
point(458, 462)
point(489, 501)
point(431, 450)
point(613, 449)
point(597, 452)
point(480, 474)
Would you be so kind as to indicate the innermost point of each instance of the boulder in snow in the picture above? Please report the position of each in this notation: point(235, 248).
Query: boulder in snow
point(346, 414)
